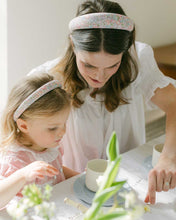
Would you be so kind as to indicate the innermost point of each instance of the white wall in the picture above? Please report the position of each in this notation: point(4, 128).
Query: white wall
point(155, 20)
point(3, 53)
point(37, 29)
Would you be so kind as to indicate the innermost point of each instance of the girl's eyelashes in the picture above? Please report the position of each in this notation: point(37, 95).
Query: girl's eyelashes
point(52, 129)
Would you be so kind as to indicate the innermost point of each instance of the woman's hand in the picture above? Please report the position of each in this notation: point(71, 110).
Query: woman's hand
point(38, 169)
point(162, 177)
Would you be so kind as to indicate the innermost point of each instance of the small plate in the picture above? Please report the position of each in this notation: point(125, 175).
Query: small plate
point(85, 195)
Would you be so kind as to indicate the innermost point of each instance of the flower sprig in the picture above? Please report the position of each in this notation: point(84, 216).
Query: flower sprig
point(35, 202)
point(108, 187)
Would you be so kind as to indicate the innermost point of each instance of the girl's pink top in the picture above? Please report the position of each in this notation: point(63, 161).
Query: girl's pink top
point(16, 157)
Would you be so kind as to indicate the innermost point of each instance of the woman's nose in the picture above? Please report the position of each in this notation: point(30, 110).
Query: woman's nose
point(100, 75)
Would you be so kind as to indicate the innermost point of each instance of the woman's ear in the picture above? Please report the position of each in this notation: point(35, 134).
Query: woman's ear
point(22, 125)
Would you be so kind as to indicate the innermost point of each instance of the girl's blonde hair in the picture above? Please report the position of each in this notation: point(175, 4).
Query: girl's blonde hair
point(47, 105)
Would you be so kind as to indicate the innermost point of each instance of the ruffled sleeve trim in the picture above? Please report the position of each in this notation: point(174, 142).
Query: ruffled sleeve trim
point(160, 84)
point(150, 77)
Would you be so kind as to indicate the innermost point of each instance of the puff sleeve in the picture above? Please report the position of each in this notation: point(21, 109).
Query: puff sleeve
point(150, 77)
point(9, 163)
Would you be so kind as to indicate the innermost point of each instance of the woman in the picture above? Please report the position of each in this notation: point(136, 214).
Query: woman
point(108, 74)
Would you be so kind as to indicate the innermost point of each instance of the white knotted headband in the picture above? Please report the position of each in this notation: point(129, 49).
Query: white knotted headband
point(101, 20)
point(35, 96)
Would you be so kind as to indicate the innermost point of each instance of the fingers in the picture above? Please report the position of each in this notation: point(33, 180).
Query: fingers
point(39, 175)
point(147, 198)
point(163, 180)
point(152, 185)
point(159, 180)
point(39, 169)
point(167, 181)
point(173, 182)
point(47, 170)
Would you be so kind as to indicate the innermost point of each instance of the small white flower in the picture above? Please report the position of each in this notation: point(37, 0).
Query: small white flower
point(45, 209)
point(37, 218)
point(99, 180)
point(137, 212)
point(11, 208)
point(130, 198)
point(26, 208)
point(17, 212)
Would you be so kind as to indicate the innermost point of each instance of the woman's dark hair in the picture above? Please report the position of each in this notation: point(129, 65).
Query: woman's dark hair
point(111, 41)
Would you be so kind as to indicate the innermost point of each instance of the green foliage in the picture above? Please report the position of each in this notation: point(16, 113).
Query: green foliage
point(112, 215)
point(35, 202)
point(112, 150)
point(109, 187)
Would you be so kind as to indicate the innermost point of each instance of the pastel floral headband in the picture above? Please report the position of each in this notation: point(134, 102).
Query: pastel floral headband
point(35, 96)
point(101, 20)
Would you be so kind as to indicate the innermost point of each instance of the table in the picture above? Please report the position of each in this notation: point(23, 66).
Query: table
point(134, 167)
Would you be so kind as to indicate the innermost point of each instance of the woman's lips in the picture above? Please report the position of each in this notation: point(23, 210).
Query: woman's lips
point(94, 80)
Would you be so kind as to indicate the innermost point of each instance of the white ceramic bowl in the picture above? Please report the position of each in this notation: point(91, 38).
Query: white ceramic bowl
point(94, 169)
point(157, 149)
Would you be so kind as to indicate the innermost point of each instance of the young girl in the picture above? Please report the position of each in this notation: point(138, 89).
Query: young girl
point(108, 74)
point(33, 124)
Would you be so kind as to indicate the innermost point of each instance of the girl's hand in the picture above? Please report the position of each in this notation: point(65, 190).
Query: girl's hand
point(38, 169)
point(162, 177)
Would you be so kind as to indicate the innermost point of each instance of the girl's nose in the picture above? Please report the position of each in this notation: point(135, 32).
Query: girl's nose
point(62, 130)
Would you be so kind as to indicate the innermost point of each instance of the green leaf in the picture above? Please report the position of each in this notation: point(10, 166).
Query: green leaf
point(116, 183)
point(34, 194)
point(112, 150)
point(108, 192)
point(47, 192)
point(112, 215)
point(110, 174)
point(108, 185)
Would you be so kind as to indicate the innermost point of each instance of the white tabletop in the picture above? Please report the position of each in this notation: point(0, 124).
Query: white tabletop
point(134, 167)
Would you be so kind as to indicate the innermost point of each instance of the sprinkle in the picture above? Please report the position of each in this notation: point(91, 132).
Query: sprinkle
point(146, 208)
point(79, 206)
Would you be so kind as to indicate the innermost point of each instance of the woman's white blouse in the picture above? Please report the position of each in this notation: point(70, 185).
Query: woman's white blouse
point(90, 126)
